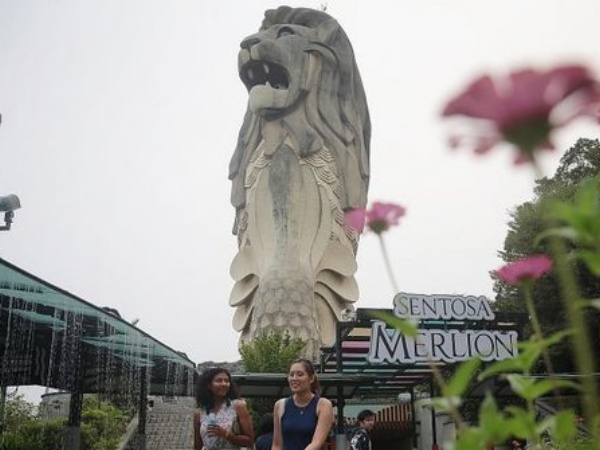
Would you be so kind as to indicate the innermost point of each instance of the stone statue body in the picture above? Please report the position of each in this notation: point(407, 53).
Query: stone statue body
point(301, 161)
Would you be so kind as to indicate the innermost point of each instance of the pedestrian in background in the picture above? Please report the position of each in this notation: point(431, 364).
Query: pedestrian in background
point(361, 439)
point(264, 441)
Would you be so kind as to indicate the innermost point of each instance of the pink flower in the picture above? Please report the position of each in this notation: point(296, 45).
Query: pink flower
point(355, 219)
point(379, 218)
point(524, 108)
point(525, 269)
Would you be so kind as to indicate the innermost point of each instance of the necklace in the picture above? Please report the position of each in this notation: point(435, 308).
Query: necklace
point(302, 406)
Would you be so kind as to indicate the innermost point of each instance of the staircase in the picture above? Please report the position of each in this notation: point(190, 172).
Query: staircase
point(169, 423)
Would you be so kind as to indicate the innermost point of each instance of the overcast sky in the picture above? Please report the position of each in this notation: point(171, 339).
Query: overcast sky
point(120, 117)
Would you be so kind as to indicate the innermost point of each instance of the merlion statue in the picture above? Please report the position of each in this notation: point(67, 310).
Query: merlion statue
point(302, 161)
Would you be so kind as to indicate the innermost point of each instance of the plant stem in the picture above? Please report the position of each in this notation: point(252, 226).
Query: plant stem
point(454, 412)
point(537, 333)
point(581, 343)
point(388, 266)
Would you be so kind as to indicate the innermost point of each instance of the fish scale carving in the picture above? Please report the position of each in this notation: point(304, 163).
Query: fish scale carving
point(287, 305)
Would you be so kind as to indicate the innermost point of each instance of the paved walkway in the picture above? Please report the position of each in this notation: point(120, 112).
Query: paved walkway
point(169, 423)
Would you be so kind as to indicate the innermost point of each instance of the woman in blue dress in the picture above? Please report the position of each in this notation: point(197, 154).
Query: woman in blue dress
point(302, 421)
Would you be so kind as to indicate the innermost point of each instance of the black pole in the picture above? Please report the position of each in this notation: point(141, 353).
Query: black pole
point(434, 445)
point(72, 435)
point(3, 390)
point(143, 408)
point(74, 383)
point(413, 416)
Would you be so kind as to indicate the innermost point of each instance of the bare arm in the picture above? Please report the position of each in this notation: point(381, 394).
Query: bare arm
point(197, 439)
point(277, 444)
point(324, 424)
point(246, 436)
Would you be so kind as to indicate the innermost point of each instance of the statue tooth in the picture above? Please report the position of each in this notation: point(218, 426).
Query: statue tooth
point(266, 68)
point(250, 74)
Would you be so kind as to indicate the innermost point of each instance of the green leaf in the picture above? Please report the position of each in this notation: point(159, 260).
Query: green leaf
point(595, 303)
point(560, 425)
point(502, 366)
point(495, 425)
point(587, 196)
point(531, 389)
point(522, 422)
point(521, 385)
point(530, 352)
point(562, 232)
point(592, 260)
point(556, 337)
point(408, 327)
point(543, 387)
point(569, 213)
point(582, 218)
point(446, 404)
point(471, 439)
point(461, 379)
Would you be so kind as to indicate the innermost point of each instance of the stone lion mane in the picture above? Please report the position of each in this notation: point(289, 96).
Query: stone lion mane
point(325, 131)
point(336, 110)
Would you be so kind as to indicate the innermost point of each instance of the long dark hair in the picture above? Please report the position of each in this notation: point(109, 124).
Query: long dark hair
point(266, 424)
point(315, 386)
point(204, 396)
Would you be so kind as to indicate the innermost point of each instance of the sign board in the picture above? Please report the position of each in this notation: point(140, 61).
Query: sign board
point(440, 344)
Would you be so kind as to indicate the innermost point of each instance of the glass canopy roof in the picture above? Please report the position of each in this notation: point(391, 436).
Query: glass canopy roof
point(52, 338)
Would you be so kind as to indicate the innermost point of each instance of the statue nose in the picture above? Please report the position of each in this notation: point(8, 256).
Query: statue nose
point(249, 42)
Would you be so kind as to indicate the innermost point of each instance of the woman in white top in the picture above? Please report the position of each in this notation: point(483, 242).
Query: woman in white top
point(221, 420)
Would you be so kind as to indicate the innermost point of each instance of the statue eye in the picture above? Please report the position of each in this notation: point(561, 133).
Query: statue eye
point(285, 31)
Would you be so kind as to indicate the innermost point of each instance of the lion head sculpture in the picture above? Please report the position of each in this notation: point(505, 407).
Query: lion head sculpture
point(306, 109)
point(302, 59)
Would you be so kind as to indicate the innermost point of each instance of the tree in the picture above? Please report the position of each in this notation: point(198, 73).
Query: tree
point(269, 353)
point(580, 162)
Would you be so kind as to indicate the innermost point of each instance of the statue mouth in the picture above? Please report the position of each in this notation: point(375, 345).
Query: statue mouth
point(262, 73)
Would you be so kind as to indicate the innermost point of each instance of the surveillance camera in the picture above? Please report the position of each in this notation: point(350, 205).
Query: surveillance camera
point(9, 203)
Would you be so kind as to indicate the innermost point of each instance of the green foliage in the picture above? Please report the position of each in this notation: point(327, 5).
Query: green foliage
point(34, 435)
point(269, 353)
point(579, 224)
point(569, 202)
point(580, 162)
point(18, 411)
point(102, 425)
point(461, 379)
point(566, 210)
point(562, 221)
